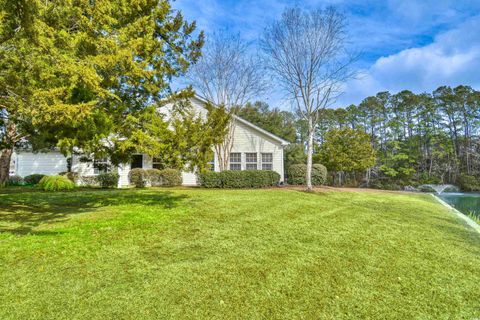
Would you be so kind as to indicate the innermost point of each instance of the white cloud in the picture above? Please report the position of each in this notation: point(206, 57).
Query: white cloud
point(453, 58)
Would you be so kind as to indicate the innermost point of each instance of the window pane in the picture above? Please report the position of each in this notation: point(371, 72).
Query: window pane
point(101, 166)
point(157, 163)
point(267, 166)
point(235, 157)
point(251, 166)
point(251, 157)
point(267, 157)
point(235, 166)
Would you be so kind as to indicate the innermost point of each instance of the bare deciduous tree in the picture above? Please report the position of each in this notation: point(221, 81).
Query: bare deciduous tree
point(227, 75)
point(306, 52)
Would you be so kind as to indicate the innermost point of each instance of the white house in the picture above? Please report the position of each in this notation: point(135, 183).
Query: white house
point(253, 149)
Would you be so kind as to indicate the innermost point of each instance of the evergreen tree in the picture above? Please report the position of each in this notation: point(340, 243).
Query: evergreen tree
point(90, 74)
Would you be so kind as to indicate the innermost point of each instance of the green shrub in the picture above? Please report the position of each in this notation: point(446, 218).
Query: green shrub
point(108, 180)
point(33, 179)
point(239, 179)
point(138, 177)
point(56, 183)
point(210, 179)
point(88, 181)
point(170, 177)
point(297, 174)
point(72, 176)
point(468, 183)
point(154, 176)
point(16, 181)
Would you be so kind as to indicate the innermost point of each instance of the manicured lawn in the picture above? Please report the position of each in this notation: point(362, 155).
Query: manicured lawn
point(254, 254)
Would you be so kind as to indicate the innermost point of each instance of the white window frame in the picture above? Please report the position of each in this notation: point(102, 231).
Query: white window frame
point(235, 163)
point(267, 163)
point(248, 161)
point(104, 161)
point(156, 162)
point(212, 164)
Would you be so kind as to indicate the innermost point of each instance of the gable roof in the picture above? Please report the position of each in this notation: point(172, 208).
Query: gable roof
point(283, 142)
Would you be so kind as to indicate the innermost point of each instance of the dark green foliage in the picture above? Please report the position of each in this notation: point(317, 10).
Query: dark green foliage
point(210, 179)
point(108, 180)
point(297, 174)
point(280, 123)
point(33, 179)
point(15, 181)
point(75, 72)
point(138, 177)
point(294, 154)
point(468, 183)
point(170, 177)
point(239, 179)
point(154, 176)
point(56, 183)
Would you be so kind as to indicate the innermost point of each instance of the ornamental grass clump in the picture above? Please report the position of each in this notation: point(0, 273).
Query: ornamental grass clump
point(56, 183)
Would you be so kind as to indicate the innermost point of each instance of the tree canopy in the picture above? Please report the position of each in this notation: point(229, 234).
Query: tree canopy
point(91, 74)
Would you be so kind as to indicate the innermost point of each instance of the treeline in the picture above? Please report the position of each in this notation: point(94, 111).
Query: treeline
point(417, 138)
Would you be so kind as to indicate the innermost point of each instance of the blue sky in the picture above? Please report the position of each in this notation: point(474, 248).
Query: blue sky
point(404, 44)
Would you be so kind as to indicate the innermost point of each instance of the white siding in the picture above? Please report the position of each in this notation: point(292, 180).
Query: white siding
point(247, 139)
point(25, 163)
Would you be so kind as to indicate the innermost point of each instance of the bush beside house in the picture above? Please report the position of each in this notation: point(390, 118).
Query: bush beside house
point(108, 180)
point(16, 181)
point(33, 179)
point(141, 178)
point(56, 183)
point(239, 179)
point(297, 174)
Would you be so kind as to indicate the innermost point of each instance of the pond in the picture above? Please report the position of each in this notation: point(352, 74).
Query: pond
point(467, 203)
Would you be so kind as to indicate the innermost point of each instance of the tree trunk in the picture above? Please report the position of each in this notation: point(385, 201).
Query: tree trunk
point(311, 132)
point(5, 157)
point(223, 150)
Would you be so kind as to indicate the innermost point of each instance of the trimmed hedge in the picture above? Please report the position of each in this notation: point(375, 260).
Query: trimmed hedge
point(138, 177)
point(239, 179)
point(56, 183)
point(108, 180)
point(154, 176)
point(142, 177)
point(33, 179)
point(297, 174)
point(170, 177)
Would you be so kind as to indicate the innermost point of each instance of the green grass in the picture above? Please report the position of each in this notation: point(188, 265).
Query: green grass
point(251, 254)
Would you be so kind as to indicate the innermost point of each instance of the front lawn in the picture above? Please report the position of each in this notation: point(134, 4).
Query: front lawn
point(251, 254)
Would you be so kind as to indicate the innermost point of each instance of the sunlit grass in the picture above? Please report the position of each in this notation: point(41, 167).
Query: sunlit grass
point(229, 254)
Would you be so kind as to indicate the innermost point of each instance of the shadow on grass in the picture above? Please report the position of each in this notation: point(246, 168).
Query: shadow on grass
point(22, 210)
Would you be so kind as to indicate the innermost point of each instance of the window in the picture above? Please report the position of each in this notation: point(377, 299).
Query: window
point(251, 159)
point(235, 161)
point(157, 163)
point(137, 161)
point(267, 161)
point(101, 165)
point(211, 164)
